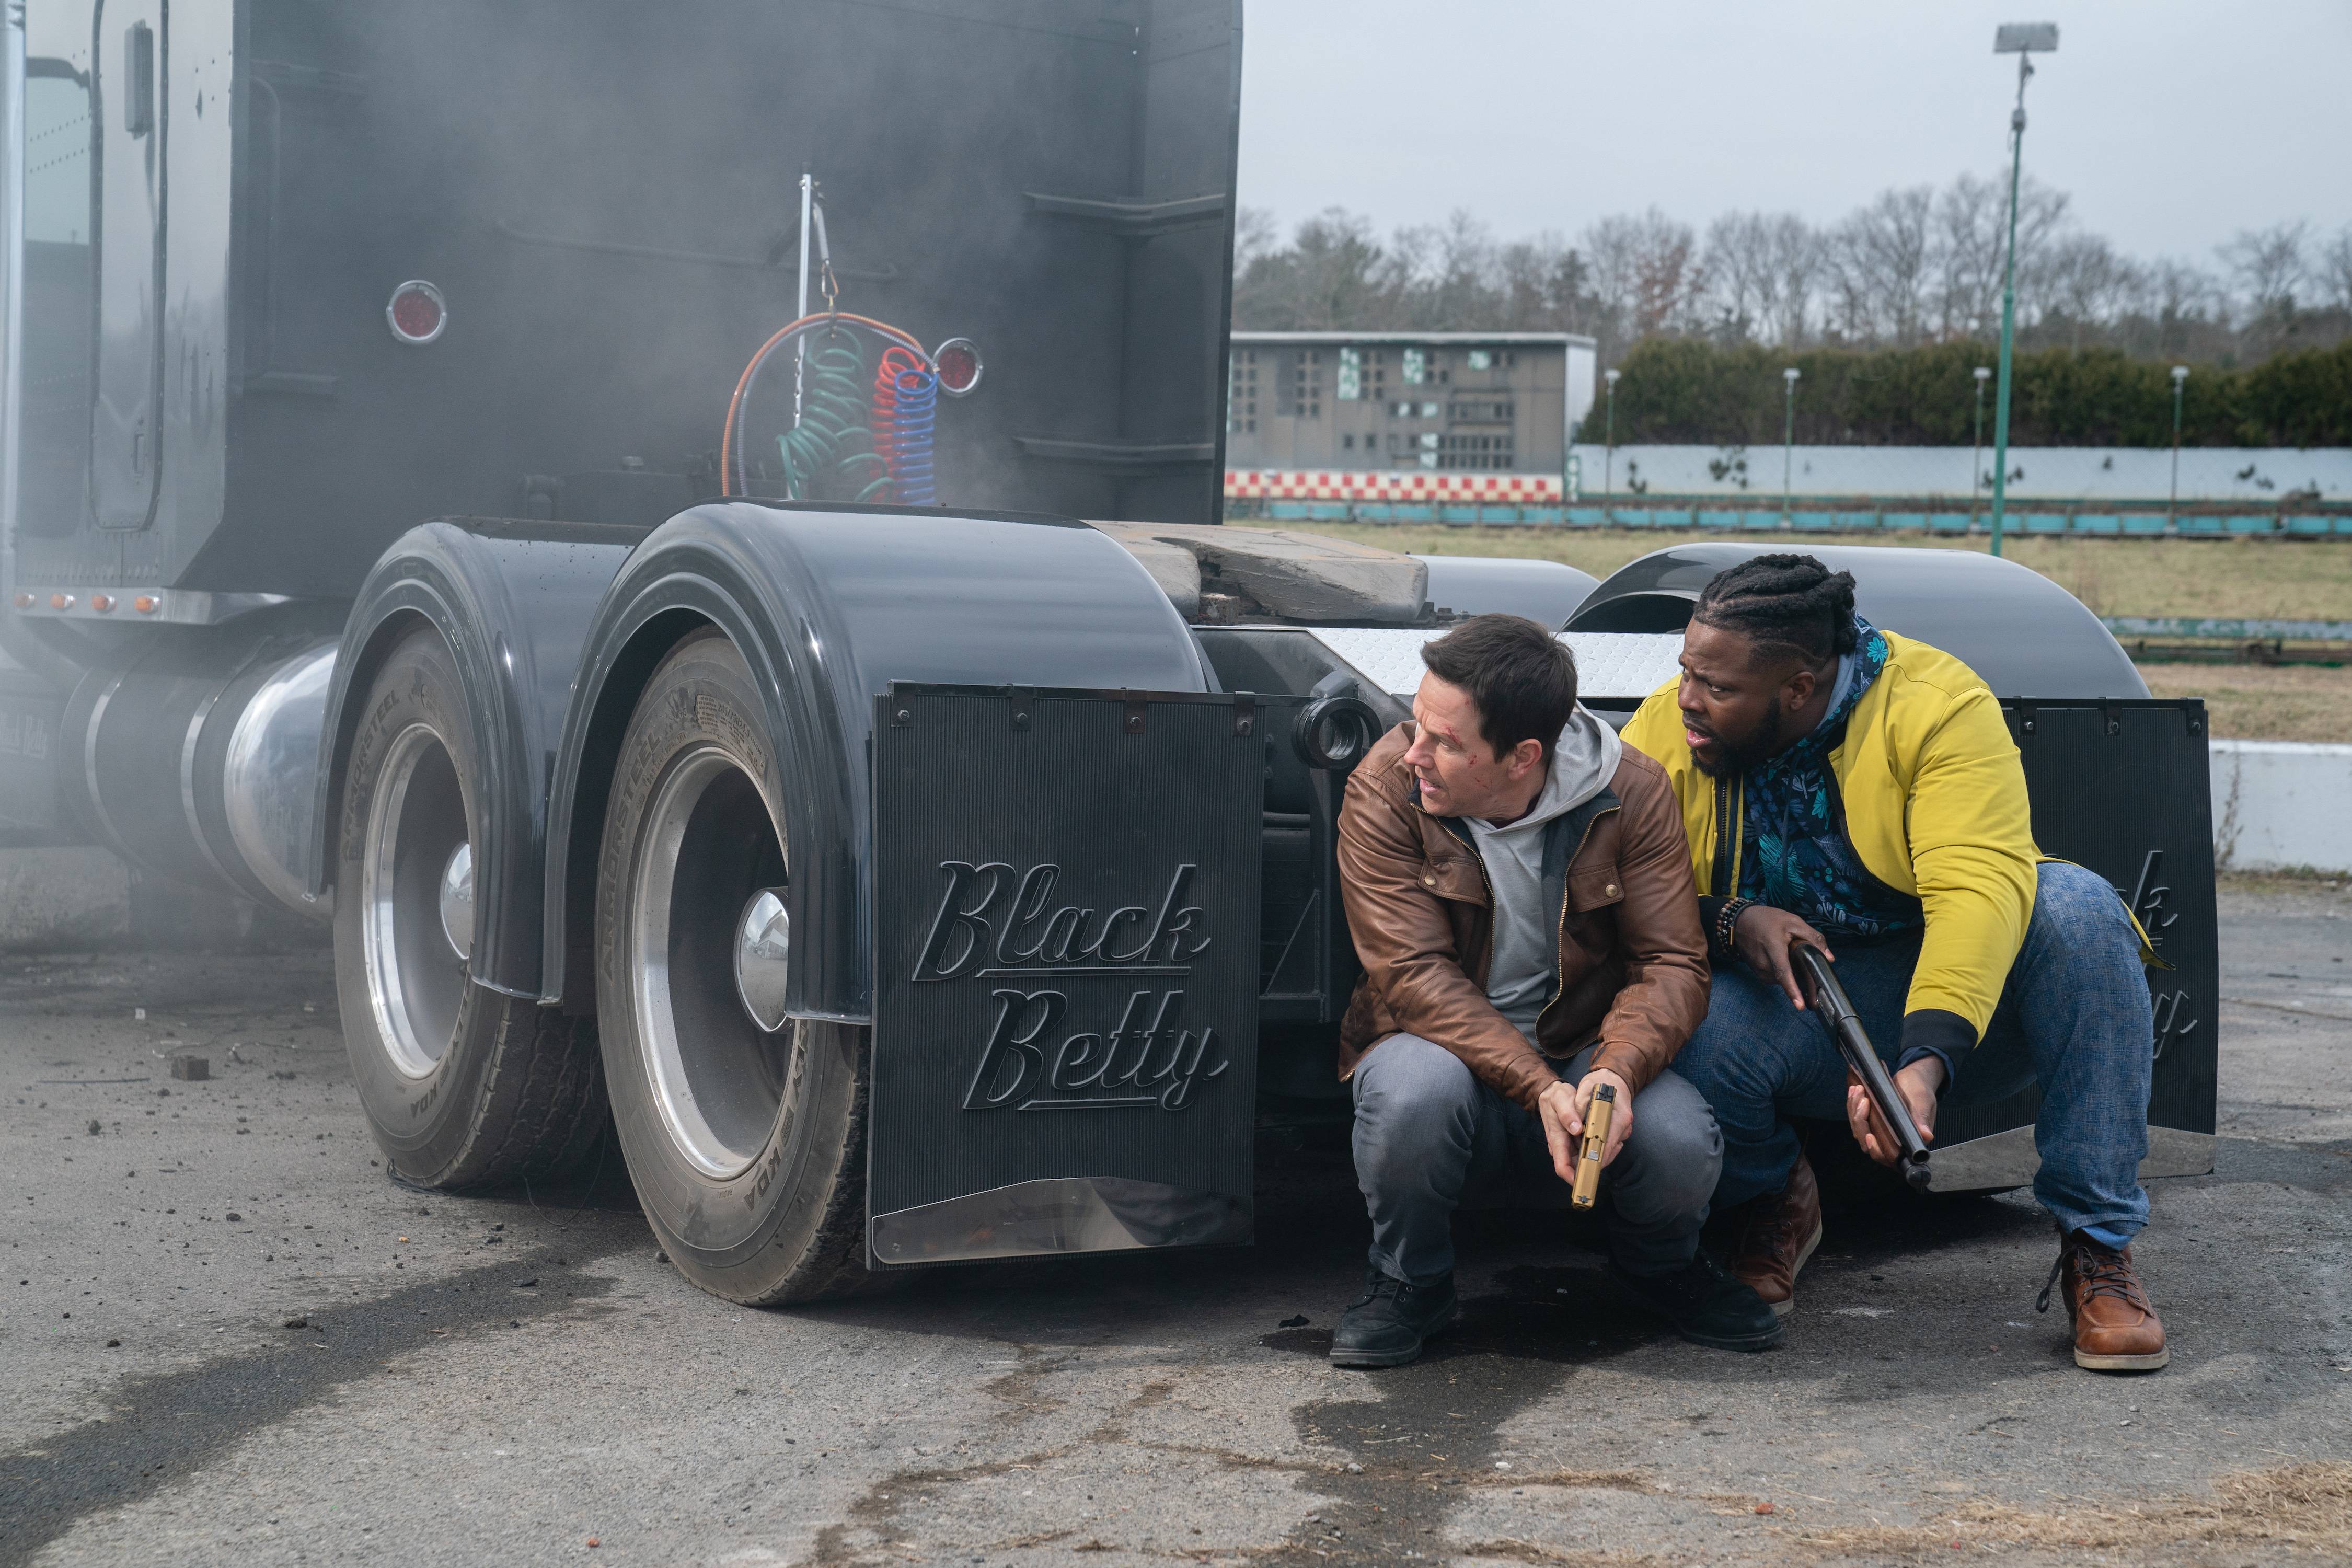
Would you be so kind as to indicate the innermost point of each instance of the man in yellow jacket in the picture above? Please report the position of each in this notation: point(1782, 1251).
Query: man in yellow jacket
point(1856, 790)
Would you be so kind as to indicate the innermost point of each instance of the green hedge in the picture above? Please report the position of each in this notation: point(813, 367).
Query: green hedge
point(1684, 391)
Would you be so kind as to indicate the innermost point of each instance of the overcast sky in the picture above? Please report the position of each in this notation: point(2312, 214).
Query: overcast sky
point(2172, 122)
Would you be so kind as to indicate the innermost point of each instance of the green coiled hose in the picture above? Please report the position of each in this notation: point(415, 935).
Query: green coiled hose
point(833, 446)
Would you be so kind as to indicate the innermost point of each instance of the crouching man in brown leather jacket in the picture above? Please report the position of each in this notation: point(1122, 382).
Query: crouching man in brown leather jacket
point(1519, 886)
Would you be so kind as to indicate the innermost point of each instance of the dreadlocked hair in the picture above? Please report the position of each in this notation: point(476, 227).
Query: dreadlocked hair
point(1792, 605)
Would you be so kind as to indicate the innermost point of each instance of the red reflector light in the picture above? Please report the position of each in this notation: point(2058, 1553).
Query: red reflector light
point(417, 313)
point(958, 359)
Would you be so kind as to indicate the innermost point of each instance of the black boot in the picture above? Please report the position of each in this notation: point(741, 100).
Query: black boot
point(1385, 1325)
point(1707, 1306)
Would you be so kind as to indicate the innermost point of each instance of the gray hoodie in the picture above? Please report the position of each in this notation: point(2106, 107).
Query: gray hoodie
point(1525, 964)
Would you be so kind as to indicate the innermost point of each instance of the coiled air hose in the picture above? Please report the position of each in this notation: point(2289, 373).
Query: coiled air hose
point(831, 440)
point(835, 446)
point(906, 409)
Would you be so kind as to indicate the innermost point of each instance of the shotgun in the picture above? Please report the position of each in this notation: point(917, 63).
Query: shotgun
point(1836, 1010)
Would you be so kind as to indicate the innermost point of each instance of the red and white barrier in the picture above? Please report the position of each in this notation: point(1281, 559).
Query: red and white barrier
point(1410, 485)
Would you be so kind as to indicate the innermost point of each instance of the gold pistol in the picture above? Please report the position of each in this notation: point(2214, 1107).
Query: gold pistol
point(1597, 1117)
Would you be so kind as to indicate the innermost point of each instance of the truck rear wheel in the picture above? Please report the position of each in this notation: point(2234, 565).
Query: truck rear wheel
point(745, 1131)
point(463, 1086)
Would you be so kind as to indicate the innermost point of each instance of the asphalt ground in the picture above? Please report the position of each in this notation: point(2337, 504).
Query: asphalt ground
point(226, 1336)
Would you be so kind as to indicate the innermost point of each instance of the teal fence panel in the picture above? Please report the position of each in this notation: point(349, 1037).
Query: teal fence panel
point(2250, 526)
point(2042, 522)
point(1288, 510)
point(2135, 522)
point(2097, 523)
point(1719, 519)
point(1950, 522)
point(1904, 521)
point(2309, 525)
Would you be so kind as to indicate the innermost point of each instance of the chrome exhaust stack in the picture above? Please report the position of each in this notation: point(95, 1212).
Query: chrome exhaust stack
point(198, 760)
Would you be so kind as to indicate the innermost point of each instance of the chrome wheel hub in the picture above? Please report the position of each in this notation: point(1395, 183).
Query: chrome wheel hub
point(709, 953)
point(457, 900)
point(417, 837)
point(763, 951)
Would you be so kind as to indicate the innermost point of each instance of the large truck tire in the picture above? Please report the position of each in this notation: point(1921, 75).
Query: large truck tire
point(463, 1086)
point(744, 1131)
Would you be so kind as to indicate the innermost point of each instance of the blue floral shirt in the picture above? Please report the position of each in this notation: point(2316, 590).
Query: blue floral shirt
point(1794, 852)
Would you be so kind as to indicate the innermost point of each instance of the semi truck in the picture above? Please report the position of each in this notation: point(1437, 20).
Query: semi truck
point(690, 537)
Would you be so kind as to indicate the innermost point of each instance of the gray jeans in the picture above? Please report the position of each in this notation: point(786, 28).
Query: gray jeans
point(1430, 1138)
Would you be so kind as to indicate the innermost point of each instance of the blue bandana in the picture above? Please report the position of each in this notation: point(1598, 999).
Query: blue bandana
point(1794, 852)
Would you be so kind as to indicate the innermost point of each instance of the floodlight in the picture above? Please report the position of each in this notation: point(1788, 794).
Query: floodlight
point(2026, 39)
point(2179, 372)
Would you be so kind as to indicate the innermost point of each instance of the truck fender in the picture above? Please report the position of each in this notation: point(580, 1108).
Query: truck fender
point(512, 600)
point(828, 604)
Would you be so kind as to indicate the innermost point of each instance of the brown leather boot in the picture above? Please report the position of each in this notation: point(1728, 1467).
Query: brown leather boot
point(1777, 1236)
point(2115, 1328)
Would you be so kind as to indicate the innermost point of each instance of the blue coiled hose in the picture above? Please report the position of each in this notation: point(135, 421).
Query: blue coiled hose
point(912, 424)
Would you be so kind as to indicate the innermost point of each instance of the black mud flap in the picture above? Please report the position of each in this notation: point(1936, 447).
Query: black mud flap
point(2121, 787)
point(1066, 971)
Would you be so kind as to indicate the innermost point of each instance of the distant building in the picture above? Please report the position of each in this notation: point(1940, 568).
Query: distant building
point(1476, 401)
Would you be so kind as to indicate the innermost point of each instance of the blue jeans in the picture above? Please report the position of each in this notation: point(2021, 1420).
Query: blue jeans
point(2076, 997)
point(1431, 1138)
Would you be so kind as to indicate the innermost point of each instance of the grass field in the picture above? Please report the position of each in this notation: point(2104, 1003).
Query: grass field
point(2260, 579)
point(2256, 579)
point(2255, 702)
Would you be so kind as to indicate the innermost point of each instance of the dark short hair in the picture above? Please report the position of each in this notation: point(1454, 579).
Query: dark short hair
point(1521, 676)
point(1791, 605)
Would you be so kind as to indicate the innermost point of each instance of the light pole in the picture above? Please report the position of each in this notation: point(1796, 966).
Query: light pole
point(1788, 442)
point(1976, 455)
point(2021, 39)
point(1609, 434)
point(2179, 381)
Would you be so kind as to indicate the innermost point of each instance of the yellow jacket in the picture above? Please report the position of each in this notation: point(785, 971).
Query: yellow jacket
point(1935, 805)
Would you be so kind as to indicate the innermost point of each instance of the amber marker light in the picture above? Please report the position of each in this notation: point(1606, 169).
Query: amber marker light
point(24, 600)
point(61, 601)
point(146, 604)
point(103, 603)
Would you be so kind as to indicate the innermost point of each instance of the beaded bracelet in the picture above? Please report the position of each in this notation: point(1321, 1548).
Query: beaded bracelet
point(1727, 921)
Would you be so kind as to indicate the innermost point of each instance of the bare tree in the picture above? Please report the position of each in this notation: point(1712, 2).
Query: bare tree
point(1646, 268)
point(1911, 265)
point(1795, 250)
point(1736, 267)
point(1254, 237)
point(2083, 285)
point(1880, 263)
point(1971, 247)
point(2333, 267)
point(2268, 263)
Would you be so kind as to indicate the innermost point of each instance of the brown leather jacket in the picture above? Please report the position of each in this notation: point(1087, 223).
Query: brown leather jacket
point(1632, 958)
